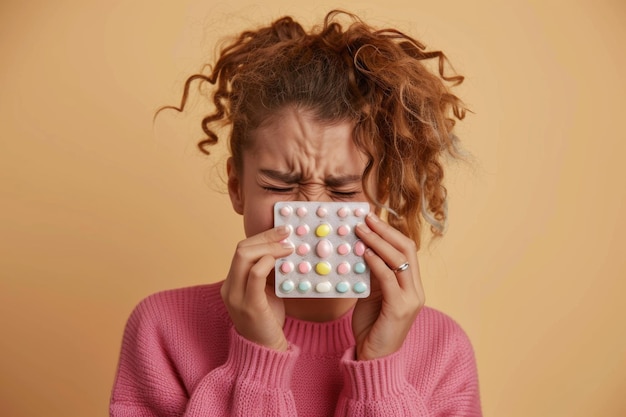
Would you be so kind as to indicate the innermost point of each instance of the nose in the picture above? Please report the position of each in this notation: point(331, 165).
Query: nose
point(318, 194)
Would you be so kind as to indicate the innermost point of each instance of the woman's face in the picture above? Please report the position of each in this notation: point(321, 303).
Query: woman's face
point(294, 157)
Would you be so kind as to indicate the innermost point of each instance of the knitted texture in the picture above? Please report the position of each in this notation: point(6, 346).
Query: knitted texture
point(181, 356)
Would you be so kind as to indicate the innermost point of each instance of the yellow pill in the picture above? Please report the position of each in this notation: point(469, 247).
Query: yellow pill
point(323, 268)
point(322, 230)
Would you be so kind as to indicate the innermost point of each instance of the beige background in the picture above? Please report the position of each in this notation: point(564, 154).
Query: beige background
point(100, 208)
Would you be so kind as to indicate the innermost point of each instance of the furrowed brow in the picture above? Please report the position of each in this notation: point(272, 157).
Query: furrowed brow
point(296, 178)
point(285, 177)
point(343, 180)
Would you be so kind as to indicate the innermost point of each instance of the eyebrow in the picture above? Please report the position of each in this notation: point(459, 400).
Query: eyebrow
point(295, 177)
point(343, 180)
point(286, 177)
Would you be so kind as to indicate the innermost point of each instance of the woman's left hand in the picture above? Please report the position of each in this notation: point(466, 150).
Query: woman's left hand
point(381, 321)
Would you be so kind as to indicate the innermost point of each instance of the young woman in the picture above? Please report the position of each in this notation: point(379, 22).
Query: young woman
point(343, 112)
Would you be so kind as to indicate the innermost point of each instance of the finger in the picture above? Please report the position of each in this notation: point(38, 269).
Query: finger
point(390, 234)
point(392, 256)
point(247, 256)
point(394, 248)
point(392, 288)
point(257, 279)
point(386, 279)
point(275, 234)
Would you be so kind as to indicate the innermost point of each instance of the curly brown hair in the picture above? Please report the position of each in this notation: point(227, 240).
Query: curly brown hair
point(378, 79)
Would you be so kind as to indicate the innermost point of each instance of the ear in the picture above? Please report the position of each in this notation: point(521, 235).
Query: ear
point(234, 186)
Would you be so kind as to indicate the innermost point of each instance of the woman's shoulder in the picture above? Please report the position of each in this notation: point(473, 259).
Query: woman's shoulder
point(435, 317)
point(179, 334)
point(439, 331)
point(201, 302)
point(440, 361)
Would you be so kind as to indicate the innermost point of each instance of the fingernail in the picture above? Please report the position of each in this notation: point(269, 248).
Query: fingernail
point(284, 229)
point(363, 227)
point(373, 217)
point(287, 244)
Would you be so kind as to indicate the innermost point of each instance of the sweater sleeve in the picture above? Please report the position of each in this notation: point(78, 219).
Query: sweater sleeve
point(440, 384)
point(253, 380)
point(377, 388)
point(456, 391)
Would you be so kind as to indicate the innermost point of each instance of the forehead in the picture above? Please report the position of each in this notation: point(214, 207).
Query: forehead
point(294, 138)
point(301, 124)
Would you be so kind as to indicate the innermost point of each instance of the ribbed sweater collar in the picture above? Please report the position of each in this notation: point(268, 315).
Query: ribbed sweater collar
point(320, 339)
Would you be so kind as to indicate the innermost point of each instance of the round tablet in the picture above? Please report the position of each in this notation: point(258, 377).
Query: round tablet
point(343, 268)
point(343, 230)
point(359, 212)
point(323, 268)
point(321, 211)
point(287, 286)
point(323, 287)
point(303, 249)
point(302, 230)
point(343, 212)
point(322, 230)
point(285, 211)
point(286, 267)
point(304, 267)
point(359, 267)
point(342, 287)
point(304, 286)
point(359, 287)
point(343, 249)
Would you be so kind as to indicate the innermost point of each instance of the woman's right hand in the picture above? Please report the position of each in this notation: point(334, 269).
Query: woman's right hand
point(257, 313)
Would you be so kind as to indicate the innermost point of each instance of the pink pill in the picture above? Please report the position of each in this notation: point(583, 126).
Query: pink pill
point(324, 248)
point(285, 211)
point(343, 249)
point(301, 211)
point(359, 212)
point(304, 267)
point(286, 267)
point(303, 249)
point(343, 268)
point(343, 212)
point(302, 230)
point(321, 212)
point(343, 230)
point(359, 248)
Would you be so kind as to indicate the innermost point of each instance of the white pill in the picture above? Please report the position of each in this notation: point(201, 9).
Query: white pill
point(323, 287)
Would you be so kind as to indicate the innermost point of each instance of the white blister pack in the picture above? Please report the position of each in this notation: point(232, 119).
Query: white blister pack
point(327, 261)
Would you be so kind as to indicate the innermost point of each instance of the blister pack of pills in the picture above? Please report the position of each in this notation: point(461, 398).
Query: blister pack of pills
point(327, 261)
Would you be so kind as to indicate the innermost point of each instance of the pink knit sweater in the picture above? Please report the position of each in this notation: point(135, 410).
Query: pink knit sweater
point(181, 357)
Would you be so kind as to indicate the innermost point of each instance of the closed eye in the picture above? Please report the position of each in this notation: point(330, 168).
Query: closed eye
point(278, 189)
point(344, 195)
